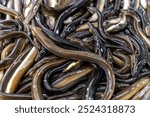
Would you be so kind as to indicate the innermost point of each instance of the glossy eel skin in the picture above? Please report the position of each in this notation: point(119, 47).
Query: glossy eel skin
point(26, 63)
point(49, 45)
point(36, 89)
point(74, 49)
point(131, 90)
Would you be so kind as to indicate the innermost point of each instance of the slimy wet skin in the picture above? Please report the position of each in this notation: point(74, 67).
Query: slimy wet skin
point(74, 49)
